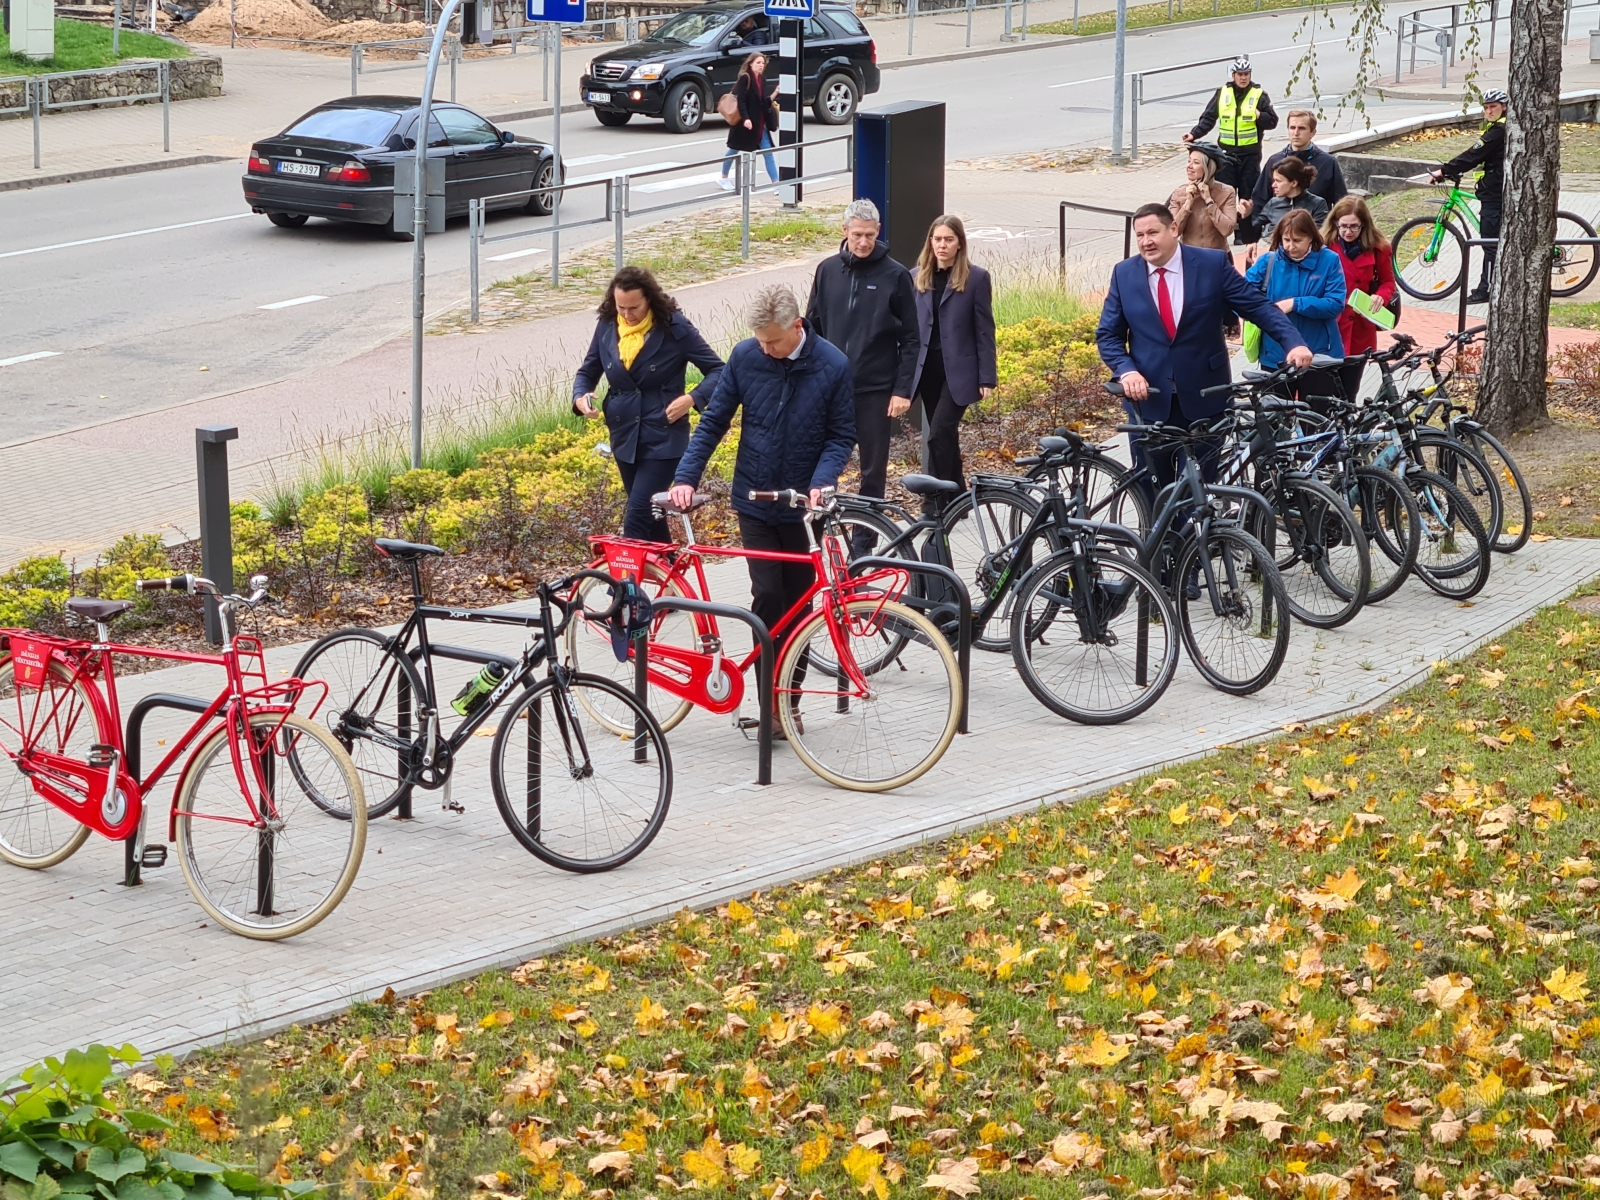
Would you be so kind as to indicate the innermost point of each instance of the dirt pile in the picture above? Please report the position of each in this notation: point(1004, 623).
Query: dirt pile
point(257, 18)
point(371, 31)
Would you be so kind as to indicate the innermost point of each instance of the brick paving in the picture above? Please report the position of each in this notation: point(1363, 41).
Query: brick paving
point(446, 895)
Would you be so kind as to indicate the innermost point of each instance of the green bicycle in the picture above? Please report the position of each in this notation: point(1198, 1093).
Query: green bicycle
point(1428, 250)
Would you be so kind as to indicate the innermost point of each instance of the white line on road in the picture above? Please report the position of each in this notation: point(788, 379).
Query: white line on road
point(292, 303)
point(517, 254)
point(112, 237)
point(660, 166)
point(594, 158)
point(1103, 78)
point(22, 358)
point(671, 185)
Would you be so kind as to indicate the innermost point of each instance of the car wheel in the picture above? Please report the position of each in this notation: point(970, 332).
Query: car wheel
point(288, 220)
point(612, 119)
point(836, 100)
point(685, 108)
point(539, 204)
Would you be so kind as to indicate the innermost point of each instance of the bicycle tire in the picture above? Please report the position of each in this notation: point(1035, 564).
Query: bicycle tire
point(982, 553)
point(1117, 496)
point(1326, 563)
point(1516, 501)
point(907, 735)
point(347, 660)
point(26, 816)
point(1389, 517)
point(1463, 466)
point(552, 834)
point(1256, 607)
point(589, 651)
point(225, 840)
point(1090, 613)
point(1466, 577)
point(1576, 266)
point(1439, 275)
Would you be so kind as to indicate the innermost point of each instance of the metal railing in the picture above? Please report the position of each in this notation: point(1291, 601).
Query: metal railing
point(1447, 36)
point(1127, 227)
point(36, 97)
point(618, 206)
point(358, 52)
point(1137, 96)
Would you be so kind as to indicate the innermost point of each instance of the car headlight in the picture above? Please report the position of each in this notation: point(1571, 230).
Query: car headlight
point(649, 71)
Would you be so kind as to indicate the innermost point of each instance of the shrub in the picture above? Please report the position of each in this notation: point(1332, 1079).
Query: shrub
point(1039, 359)
point(134, 557)
point(34, 591)
point(255, 542)
point(418, 487)
point(335, 526)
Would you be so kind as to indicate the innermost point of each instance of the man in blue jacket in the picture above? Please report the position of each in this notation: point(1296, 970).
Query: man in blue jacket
point(1161, 329)
point(797, 431)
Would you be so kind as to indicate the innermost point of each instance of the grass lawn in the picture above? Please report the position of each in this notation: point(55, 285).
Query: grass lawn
point(1580, 145)
point(1575, 314)
point(81, 46)
point(1349, 962)
point(1144, 15)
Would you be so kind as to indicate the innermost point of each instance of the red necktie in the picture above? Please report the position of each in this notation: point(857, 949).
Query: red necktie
point(1164, 303)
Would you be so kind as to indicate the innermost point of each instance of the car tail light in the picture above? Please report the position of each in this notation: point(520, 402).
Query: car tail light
point(351, 172)
point(874, 47)
point(259, 165)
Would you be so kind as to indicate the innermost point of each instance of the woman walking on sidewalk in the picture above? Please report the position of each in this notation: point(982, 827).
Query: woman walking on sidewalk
point(758, 117)
point(956, 366)
point(1204, 210)
point(641, 347)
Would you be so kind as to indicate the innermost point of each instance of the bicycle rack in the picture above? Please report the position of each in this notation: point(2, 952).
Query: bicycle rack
point(764, 668)
point(133, 846)
point(403, 690)
point(879, 562)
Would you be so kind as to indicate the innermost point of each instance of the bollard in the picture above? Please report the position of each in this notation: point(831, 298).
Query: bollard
point(911, 26)
point(166, 106)
point(969, 22)
point(216, 534)
point(747, 179)
point(355, 69)
point(32, 89)
point(619, 205)
point(474, 248)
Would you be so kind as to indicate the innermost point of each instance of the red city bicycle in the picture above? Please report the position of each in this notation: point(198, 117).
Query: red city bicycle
point(247, 811)
point(866, 690)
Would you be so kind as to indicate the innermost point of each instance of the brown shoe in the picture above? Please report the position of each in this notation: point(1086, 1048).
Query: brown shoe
point(778, 734)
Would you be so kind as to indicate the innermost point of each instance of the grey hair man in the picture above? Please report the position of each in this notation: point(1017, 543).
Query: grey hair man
point(864, 303)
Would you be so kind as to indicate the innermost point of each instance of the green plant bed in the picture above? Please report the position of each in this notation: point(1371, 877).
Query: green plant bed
point(81, 46)
point(1144, 15)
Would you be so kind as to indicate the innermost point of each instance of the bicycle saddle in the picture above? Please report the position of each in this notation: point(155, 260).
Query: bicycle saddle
point(395, 548)
point(98, 610)
point(1060, 443)
point(927, 485)
point(663, 501)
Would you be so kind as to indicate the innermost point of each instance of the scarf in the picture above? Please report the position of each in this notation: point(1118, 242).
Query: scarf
point(1352, 250)
point(630, 338)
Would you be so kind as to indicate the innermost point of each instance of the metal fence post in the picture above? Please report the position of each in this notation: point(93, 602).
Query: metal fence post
point(474, 244)
point(216, 534)
point(1133, 111)
point(1024, 20)
point(969, 22)
point(747, 179)
point(116, 29)
point(165, 67)
point(911, 26)
point(355, 69)
point(36, 90)
point(1494, 15)
point(455, 57)
point(619, 203)
point(1006, 36)
point(1075, 15)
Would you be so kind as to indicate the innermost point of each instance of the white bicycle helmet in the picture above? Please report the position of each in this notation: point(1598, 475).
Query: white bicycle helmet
point(1241, 65)
point(1496, 96)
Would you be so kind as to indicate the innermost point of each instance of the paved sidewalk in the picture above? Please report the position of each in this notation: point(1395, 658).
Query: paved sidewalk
point(446, 896)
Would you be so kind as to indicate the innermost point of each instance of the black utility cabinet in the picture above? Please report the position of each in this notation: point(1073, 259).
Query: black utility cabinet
point(900, 167)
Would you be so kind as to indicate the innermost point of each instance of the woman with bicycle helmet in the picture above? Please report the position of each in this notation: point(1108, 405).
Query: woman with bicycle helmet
point(1488, 153)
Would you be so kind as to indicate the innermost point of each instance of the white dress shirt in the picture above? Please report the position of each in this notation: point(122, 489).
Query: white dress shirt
point(798, 346)
point(1174, 269)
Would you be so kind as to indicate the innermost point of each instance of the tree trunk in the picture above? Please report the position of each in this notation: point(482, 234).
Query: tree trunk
point(1512, 390)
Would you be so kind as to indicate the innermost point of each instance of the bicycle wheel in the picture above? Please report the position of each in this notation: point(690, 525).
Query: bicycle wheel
point(374, 694)
point(1516, 502)
point(1389, 518)
point(1321, 553)
point(276, 869)
point(1426, 266)
point(1453, 551)
point(1096, 643)
point(1110, 493)
point(1458, 462)
point(589, 650)
point(574, 793)
point(1237, 631)
point(56, 717)
point(986, 553)
point(891, 731)
point(1572, 268)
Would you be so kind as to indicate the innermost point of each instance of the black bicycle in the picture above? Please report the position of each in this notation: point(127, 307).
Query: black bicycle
point(573, 792)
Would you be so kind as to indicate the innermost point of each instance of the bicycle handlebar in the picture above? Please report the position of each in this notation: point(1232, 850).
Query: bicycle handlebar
point(786, 496)
point(178, 583)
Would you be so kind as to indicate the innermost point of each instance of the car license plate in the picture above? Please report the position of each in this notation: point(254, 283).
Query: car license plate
point(298, 168)
point(599, 97)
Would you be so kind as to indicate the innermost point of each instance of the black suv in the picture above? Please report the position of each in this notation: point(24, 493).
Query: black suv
point(679, 71)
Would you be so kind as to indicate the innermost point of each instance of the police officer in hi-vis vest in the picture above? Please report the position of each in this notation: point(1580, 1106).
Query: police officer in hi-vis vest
point(1241, 112)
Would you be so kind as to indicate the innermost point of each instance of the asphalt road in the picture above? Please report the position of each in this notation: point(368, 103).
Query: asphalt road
point(162, 288)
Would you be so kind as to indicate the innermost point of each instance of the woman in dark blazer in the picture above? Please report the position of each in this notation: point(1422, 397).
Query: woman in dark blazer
point(956, 366)
point(641, 346)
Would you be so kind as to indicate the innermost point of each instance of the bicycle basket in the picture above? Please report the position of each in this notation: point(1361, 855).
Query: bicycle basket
point(30, 660)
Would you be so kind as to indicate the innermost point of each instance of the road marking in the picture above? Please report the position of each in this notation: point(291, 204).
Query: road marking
point(670, 185)
point(594, 158)
point(292, 303)
point(1103, 78)
point(22, 358)
point(661, 166)
point(113, 237)
point(517, 254)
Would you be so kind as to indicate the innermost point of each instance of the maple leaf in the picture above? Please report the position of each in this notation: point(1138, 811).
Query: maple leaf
point(1321, 792)
point(959, 1178)
point(1444, 991)
point(1162, 786)
point(862, 1164)
point(1447, 1130)
point(1260, 1111)
point(1077, 1149)
point(1077, 981)
point(981, 900)
point(1345, 886)
point(1180, 814)
point(535, 1083)
point(1567, 985)
point(503, 1017)
point(739, 912)
point(877, 1021)
point(901, 1112)
point(1491, 679)
point(815, 1152)
point(650, 1017)
point(1345, 1110)
point(709, 1164)
point(1100, 1052)
point(1402, 1116)
point(826, 1019)
point(1488, 1090)
point(618, 1162)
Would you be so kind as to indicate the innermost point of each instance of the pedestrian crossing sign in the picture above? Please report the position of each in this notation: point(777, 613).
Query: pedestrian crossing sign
point(567, 12)
point(787, 8)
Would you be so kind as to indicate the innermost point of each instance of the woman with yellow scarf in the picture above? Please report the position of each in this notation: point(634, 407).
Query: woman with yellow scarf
point(641, 349)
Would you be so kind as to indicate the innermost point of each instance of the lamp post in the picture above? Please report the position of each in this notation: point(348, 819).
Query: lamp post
point(1119, 83)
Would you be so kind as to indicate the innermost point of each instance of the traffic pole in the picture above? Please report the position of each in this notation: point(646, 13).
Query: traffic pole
point(1119, 83)
point(791, 54)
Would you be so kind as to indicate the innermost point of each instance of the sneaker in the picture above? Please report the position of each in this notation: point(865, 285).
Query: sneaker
point(725, 183)
point(1478, 295)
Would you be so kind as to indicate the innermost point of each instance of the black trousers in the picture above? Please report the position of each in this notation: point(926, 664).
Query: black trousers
point(641, 480)
point(1240, 173)
point(1350, 379)
point(941, 439)
point(1164, 462)
point(1489, 216)
point(1315, 387)
point(775, 587)
point(873, 430)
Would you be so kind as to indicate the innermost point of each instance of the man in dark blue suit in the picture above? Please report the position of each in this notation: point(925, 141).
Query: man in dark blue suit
point(1161, 328)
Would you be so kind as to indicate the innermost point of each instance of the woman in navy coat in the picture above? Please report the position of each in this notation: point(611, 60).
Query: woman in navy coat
point(956, 365)
point(641, 347)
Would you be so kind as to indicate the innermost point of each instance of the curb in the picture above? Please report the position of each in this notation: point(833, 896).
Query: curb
point(193, 160)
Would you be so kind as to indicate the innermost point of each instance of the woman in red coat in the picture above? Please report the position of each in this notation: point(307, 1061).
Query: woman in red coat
point(1369, 267)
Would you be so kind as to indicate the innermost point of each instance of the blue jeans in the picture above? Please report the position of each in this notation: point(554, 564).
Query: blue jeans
point(766, 143)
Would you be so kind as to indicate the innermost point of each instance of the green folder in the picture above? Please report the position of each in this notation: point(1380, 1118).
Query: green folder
point(1371, 309)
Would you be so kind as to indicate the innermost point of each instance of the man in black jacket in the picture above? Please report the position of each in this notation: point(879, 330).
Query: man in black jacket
point(1489, 153)
point(1240, 111)
point(1329, 184)
point(863, 302)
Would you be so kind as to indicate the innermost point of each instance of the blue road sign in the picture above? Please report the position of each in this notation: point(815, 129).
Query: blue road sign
point(567, 12)
point(786, 8)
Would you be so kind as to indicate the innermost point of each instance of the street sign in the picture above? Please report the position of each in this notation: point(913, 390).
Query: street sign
point(790, 8)
point(566, 12)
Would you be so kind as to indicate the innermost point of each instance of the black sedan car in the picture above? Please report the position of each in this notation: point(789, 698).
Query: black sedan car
point(680, 71)
point(337, 161)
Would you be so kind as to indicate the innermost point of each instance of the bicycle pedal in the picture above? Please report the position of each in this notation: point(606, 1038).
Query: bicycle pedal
point(152, 857)
point(101, 755)
point(749, 726)
point(454, 806)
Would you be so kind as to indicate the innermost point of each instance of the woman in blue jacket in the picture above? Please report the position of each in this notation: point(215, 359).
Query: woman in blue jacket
point(641, 347)
point(1304, 279)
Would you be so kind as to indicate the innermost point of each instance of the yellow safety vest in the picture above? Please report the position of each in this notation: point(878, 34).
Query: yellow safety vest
point(1236, 123)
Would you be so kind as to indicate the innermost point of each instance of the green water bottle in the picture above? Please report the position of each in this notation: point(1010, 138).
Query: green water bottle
point(478, 688)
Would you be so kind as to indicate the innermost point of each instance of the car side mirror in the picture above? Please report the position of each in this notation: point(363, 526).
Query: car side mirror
point(408, 143)
point(395, 142)
point(507, 136)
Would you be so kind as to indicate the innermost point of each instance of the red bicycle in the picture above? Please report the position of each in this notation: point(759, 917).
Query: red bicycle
point(248, 808)
point(866, 690)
